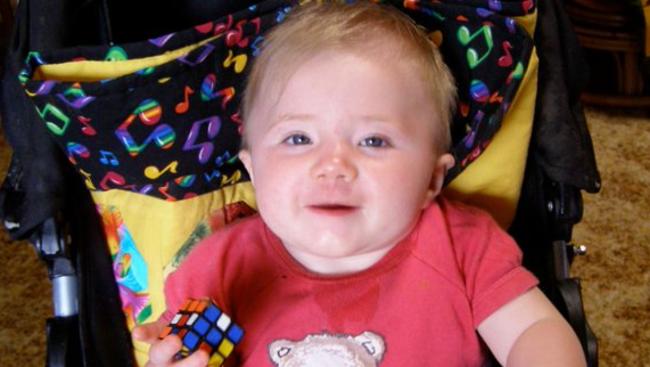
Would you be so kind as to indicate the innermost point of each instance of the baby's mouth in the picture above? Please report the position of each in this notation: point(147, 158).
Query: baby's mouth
point(333, 209)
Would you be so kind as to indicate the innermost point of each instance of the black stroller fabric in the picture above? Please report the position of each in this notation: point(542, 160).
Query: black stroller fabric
point(561, 141)
point(34, 187)
point(40, 185)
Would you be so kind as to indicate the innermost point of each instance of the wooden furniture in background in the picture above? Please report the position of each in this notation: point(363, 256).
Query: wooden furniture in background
point(612, 34)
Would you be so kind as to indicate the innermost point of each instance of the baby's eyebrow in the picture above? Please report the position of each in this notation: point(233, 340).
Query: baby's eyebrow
point(285, 117)
point(374, 118)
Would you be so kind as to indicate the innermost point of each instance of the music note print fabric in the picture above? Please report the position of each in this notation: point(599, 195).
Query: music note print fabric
point(171, 129)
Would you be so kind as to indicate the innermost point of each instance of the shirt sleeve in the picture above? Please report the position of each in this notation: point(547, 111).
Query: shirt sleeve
point(491, 263)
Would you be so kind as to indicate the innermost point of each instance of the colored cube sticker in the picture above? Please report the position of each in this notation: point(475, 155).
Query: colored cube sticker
point(202, 325)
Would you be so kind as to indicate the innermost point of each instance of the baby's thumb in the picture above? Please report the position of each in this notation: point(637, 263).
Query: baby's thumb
point(149, 332)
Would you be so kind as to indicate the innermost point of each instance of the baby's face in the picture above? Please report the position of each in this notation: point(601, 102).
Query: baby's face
point(343, 160)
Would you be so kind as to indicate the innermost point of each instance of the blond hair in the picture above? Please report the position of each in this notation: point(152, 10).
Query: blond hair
point(361, 28)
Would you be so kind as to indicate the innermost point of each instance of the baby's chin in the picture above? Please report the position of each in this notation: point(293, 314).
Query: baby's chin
point(337, 257)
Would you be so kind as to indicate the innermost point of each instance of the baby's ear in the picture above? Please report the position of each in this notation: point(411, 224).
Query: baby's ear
point(245, 158)
point(442, 165)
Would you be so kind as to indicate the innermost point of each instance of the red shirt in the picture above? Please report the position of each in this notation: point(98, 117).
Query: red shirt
point(418, 306)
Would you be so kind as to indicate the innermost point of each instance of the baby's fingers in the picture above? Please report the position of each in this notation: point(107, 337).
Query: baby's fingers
point(162, 353)
point(149, 332)
point(196, 359)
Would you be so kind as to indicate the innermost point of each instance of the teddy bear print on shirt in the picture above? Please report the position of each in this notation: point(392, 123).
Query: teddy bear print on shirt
point(320, 350)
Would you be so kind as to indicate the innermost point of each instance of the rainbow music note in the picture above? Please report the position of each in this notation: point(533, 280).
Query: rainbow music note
point(185, 181)
point(76, 149)
point(236, 118)
point(516, 74)
point(484, 13)
point(223, 159)
point(146, 189)
point(258, 24)
point(184, 105)
point(164, 190)
point(235, 36)
point(511, 25)
point(33, 60)
point(43, 88)
point(479, 91)
point(153, 172)
point(240, 61)
point(116, 53)
point(495, 5)
point(282, 14)
point(59, 124)
point(255, 46)
point(207, 91)
point(87, 129)
point(225, 180)
point(205, 148)
point(527, 5)
point(215, 174)
point(149, 113)
point(206, 50)
point(411, 4)
point(204, 28)
point(465, 37)
point(495, 98)
point(108, 158)
point(75, 97)
point(160, 41)
point(222, 27)
point(112, 177)
point(505, 60)
point(463, 108)
point(146, 71)
point(476, 122)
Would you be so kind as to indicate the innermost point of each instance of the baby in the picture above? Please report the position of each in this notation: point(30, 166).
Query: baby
point(354, 258)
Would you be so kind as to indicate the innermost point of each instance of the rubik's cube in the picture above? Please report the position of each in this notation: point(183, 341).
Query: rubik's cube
point(202, 325)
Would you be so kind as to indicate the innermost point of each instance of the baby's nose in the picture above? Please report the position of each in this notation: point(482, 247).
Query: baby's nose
point(335, 165)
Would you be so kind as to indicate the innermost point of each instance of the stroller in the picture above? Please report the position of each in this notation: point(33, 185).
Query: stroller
point(88, 204)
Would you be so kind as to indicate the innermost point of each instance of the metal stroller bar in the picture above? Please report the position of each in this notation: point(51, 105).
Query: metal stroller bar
point(565, 210)
point(51, 246)
point(553, 208)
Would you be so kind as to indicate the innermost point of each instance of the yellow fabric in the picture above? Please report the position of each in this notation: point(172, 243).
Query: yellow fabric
point(92, 70)
point(528, 22)
point(159, 228)
point(493, 181)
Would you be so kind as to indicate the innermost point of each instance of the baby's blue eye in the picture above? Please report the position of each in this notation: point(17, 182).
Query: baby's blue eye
point(297, 139)
point(374, 142)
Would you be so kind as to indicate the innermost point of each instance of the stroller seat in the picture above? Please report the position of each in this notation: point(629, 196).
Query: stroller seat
point(152, 129)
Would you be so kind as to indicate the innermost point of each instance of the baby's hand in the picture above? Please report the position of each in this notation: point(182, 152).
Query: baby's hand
point(162, 351)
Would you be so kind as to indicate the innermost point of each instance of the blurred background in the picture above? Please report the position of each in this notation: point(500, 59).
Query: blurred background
point(615, 271)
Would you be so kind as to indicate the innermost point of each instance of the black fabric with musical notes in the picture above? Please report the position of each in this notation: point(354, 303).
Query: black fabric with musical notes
point(172, 131)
